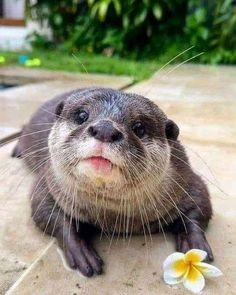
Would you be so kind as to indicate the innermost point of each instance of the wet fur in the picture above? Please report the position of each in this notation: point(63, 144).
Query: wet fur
point(179, 202)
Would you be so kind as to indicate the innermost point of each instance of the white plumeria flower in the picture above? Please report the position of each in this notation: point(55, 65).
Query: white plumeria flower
point(189, 269)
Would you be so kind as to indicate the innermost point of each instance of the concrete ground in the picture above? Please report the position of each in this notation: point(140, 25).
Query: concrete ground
point(201, 100)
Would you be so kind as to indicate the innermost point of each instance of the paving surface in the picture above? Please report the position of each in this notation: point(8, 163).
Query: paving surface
point(202, 102)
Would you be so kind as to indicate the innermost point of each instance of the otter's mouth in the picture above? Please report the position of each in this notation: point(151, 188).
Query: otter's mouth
point(99, 163)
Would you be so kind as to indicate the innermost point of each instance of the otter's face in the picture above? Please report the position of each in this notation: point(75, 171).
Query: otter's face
point(104, 136)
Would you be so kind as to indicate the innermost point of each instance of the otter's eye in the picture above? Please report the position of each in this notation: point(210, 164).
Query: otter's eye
point(81, 117)
point(139, 129)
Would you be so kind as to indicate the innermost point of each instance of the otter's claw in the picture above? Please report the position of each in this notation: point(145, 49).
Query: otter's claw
point(82, 257)
point(186, 242)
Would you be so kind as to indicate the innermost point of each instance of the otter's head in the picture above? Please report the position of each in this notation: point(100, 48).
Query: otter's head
point(107, 137)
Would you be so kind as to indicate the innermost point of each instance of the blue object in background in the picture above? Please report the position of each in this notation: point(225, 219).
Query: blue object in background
point(22, 59)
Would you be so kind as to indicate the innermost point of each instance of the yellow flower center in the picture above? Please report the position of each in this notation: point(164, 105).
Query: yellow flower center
point(180, 267)
point(193, 274)
point(192, 257)
point(185, 267)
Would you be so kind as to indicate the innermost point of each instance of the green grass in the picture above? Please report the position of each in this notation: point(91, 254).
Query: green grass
point(62, 61)
point(84, 62)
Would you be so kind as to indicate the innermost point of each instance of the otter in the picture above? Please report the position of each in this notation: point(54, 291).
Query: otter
point(110, 161)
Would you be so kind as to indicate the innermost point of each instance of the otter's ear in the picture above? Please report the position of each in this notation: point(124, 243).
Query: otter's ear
point(172, 130)
point(59, 108)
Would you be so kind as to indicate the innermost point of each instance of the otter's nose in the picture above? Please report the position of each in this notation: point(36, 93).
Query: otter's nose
point(105, 132)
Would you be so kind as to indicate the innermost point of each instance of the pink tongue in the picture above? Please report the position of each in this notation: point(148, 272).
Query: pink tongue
point(100, 163)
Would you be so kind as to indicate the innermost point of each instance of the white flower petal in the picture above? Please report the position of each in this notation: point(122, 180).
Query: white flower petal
point(170, 280)
point(174, 265)
point(177, 269)
point(194, 281)
point(208, 270)
point(172, 258)
point(195, 255)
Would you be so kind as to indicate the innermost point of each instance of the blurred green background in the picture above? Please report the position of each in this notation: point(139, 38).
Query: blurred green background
point(131, 37)
point(140, 28)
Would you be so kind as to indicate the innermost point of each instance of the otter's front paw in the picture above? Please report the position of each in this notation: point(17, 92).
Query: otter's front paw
point(195, 240)
point(81, 256)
